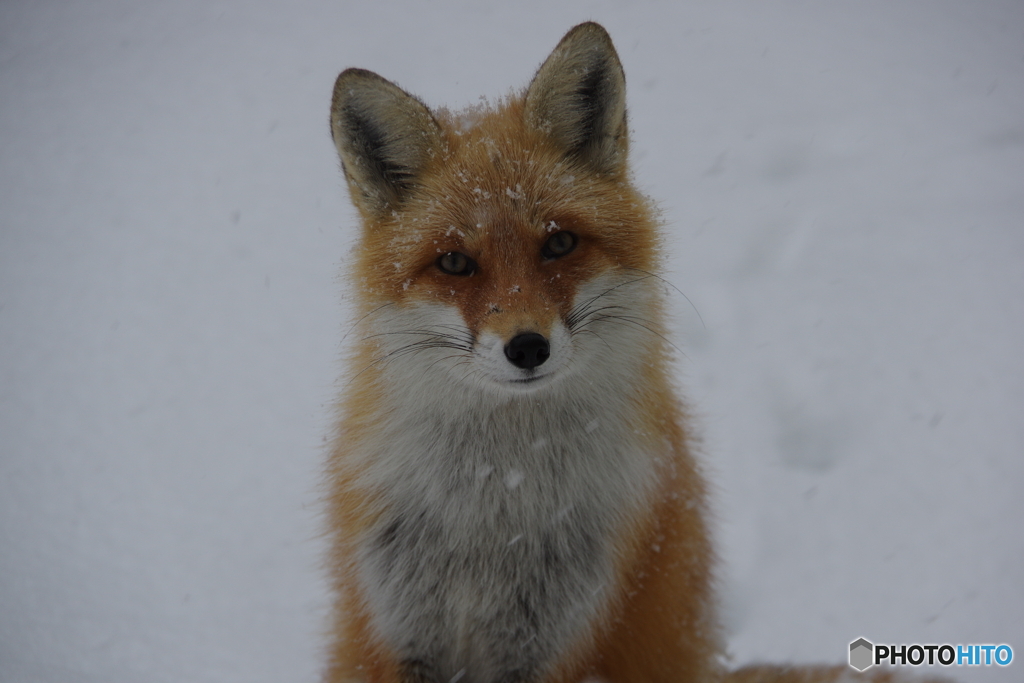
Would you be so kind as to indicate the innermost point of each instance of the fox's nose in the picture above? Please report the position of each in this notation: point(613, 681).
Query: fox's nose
point(527, 350)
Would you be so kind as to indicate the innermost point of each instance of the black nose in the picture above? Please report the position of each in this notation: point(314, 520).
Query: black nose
point(527, 350)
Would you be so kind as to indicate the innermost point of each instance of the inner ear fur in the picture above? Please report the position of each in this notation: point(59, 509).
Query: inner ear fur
point(385, 138)
point(578, 98)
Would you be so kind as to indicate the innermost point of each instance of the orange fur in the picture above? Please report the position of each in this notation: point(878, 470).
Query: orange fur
point(493, 190)
point(667, 590)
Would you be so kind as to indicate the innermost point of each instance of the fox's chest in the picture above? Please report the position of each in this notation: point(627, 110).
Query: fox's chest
point(492, 558)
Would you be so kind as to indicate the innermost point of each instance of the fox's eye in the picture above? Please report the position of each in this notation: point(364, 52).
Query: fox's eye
point(559, 244)
point(455, 263)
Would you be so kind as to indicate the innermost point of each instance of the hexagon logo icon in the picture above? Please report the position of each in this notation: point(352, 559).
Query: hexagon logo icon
point(861, 654)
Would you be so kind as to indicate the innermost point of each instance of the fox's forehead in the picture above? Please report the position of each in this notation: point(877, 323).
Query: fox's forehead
point(488, 223)
point(484, 221)
point(492, 227)
point(501, 151)
point(480, 202)
point(488, 184)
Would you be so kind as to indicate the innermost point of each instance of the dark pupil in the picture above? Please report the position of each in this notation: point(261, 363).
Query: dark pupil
point(453, 262)
point(560, 242)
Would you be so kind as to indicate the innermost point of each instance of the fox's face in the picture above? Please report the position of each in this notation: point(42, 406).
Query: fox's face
point(505, 247)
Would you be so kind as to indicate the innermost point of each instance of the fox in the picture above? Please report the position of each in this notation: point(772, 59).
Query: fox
point(512, 491)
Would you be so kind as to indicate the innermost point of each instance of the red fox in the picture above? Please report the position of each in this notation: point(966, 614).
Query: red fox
point(512, 495)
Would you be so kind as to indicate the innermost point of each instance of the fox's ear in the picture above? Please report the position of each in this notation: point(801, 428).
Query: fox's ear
point(579, 98)
point(385, 138)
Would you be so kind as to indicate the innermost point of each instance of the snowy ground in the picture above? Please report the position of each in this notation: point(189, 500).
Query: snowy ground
point(843, 185)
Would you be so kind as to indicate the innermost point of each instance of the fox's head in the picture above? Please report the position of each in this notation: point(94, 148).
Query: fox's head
point(504, 246)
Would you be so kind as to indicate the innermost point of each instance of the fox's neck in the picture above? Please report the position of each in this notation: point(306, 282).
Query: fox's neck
point(481, 497)
point(582, 408)
point(579, 434)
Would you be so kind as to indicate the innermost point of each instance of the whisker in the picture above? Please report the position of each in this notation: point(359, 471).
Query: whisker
point(583, 329)
point(582, 309)
point(421, 345)
point(422, 333)
point(632, 320)
point(356, 323)
point(595, 311)
point(681, 293)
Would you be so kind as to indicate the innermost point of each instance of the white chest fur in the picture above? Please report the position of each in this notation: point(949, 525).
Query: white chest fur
point(495, 544)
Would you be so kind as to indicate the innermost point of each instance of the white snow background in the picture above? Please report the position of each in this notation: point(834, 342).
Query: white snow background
point(843, 186)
